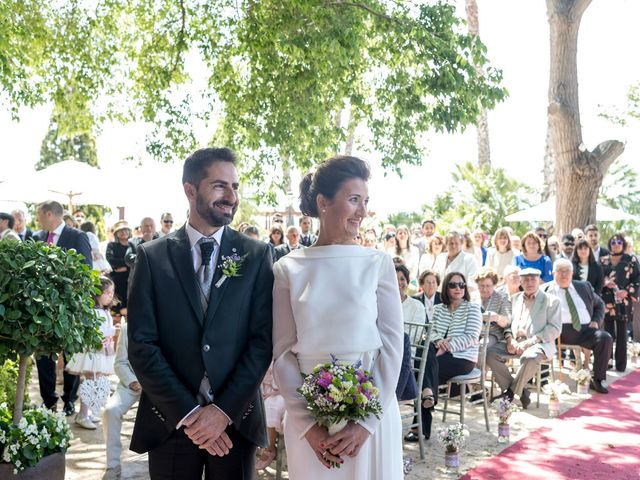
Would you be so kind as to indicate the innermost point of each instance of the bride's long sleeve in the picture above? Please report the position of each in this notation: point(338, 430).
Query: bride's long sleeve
point(386, 369)
point(286, 370)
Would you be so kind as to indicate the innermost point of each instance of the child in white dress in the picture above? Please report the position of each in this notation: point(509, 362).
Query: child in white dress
point(274, 411)
point(94, 364)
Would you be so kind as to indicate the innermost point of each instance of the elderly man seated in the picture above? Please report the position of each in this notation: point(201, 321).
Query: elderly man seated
point(535, 325)
point(582, 312)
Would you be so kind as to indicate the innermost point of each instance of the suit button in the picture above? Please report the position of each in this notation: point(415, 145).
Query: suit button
point(206, 348)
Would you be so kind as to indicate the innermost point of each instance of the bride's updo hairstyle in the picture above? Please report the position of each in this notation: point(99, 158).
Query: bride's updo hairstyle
point(328, 179)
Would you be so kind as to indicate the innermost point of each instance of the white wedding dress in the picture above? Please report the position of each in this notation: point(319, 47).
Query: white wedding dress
point(341, 300)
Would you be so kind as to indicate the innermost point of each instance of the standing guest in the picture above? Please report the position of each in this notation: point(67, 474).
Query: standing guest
point(455, 260)
point(116, 252)
point(516, 242)
point(100, 263)
point(70, 221)
point(577, 234)
point(621, 283)
point(307, 237)
point(479, 238)
point(552, 248)
point(469, 247)
point(582, 313)
point(408, 252)
point(412, 309)
point(567, 246)
point(148, 230)
point(369, 240)
point(79, 216)
point(199, 340)
point(535, 325)
point(127, 393)
point(55, 231)
point(494, 304)
point(586, 267)
point(593, 237)
point(92, 364)
point(276, 235)
point(511, 282)
point(453, 349)
point(435, 246)
point(292, 243)
point(337, 297)
point(502, 253)
point(389, 243)
point(20, 225)
point(532, 257)
point(6, 225)
point(252, 232)
point(166, 224)
point(542, 234)
point(429, 282)
point(428, 230)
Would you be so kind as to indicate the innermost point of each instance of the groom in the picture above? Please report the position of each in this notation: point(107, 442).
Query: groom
point(200, 334)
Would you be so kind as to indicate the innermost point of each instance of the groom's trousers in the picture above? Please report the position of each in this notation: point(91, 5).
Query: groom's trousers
point(180, 459)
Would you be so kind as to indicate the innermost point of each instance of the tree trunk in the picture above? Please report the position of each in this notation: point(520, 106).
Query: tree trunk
point(578, 172)
point(20, 388)
point(351, 128)
point(482, 123)
point(548, 170)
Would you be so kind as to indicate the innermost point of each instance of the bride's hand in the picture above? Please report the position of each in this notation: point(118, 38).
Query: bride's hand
point(317, 437)
point(348, 441)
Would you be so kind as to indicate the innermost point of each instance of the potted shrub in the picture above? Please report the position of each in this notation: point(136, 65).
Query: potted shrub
point(45, 308)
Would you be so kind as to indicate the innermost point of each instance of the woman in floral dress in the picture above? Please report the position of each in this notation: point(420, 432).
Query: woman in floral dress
point(621, 283)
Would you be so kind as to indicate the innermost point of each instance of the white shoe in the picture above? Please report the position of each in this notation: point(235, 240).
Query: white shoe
point(85, 423)
point(112, 474)
point(94, 419)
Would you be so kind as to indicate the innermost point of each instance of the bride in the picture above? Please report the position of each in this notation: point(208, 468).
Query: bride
point(338, 298)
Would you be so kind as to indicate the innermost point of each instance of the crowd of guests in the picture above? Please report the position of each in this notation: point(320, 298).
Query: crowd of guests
point(532, 289)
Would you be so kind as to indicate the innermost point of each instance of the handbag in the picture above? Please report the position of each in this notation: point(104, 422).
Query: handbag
point(95, 392)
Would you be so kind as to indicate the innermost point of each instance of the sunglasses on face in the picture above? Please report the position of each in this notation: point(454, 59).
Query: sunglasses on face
point(459, 285)
point(167, 221)
point(568, 244)
point(617, 242)
point(542, 235)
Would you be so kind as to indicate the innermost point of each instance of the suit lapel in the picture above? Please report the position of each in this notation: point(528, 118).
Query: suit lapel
point(227, 248)
point(182, 261)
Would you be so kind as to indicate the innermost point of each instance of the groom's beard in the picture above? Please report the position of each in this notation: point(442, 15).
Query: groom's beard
point(214, 217)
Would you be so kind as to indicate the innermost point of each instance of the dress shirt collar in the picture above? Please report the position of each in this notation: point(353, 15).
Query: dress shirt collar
point(194, 235)
point(57, 232)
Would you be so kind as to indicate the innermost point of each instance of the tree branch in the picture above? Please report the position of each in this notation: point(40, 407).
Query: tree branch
point(340, 3)
point(180, 40)
point(606, 153)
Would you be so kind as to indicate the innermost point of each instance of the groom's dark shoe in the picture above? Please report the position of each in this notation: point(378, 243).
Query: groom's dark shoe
point(598, 386)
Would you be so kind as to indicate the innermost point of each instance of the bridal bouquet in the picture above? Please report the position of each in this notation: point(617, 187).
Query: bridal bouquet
point(339, 392)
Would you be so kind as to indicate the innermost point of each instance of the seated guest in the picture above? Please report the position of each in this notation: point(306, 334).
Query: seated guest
point(582, 314)
point(453, 349)
point(516, 242)
point(435, 246)
point(412, 309)
point(511, 281)
point(408, 252)
point(552, 248)
point(533, 257)
point(430, 297)
point(501, 254)
point(567, 246)
point(494, 304)
point(456, 260)
point(535, 325)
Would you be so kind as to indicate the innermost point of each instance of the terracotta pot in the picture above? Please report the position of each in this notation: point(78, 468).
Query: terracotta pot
point(51, 467)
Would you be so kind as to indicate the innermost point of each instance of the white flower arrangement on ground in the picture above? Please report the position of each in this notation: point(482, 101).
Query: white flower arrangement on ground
point(556, 389)
point(452, 437)
point(582, 377)
point(504, 408)
point(39, 433)
point(633, 348)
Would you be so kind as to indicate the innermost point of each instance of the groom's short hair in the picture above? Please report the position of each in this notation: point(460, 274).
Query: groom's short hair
point(195, 166)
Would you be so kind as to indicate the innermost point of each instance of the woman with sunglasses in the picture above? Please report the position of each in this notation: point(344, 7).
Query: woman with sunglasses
point(453, 349)
point(621, 283)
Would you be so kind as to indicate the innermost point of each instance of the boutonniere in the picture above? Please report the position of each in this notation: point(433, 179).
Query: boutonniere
point(231, 266)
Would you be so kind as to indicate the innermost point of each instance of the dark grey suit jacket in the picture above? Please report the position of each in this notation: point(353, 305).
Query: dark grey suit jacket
point(70, 238)
point(172, 343)
point(594, 304)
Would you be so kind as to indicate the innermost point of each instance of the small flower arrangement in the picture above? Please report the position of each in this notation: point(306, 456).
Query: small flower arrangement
point(556, 389)
point(339, 392)
point(582, 377)
point(40, 432)
point(504, 407)
point(452, 436)
point(230, 267)
point(633, 348)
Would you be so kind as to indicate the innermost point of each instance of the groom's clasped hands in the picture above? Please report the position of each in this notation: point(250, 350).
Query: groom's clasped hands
point(331, 448)
point(206, 428)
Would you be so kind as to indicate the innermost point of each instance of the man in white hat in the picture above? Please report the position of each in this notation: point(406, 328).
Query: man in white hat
point(535, 325)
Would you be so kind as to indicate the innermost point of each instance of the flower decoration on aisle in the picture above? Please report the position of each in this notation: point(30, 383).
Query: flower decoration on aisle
point(504, 407)
point(452, 437)
point(556, 389)
point(582, 377)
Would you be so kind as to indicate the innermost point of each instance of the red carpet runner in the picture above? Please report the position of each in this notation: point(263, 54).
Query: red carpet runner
point(598, 439)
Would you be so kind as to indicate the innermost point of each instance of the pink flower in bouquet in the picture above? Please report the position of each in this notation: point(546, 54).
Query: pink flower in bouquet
point(325, 379)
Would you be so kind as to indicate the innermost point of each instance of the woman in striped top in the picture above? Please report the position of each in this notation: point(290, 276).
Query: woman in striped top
point(453, 349)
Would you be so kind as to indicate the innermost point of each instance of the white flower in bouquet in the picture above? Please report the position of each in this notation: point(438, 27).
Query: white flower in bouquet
point(633, 348)
point(582, 377)
point(453, 436)
point(504, 408)
point(556, 389)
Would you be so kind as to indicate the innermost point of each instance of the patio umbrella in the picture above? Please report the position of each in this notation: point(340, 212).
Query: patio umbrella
point(546, 212)
point(68, 182)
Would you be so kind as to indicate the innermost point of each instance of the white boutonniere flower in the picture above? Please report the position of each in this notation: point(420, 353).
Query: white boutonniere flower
point(231, 266)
